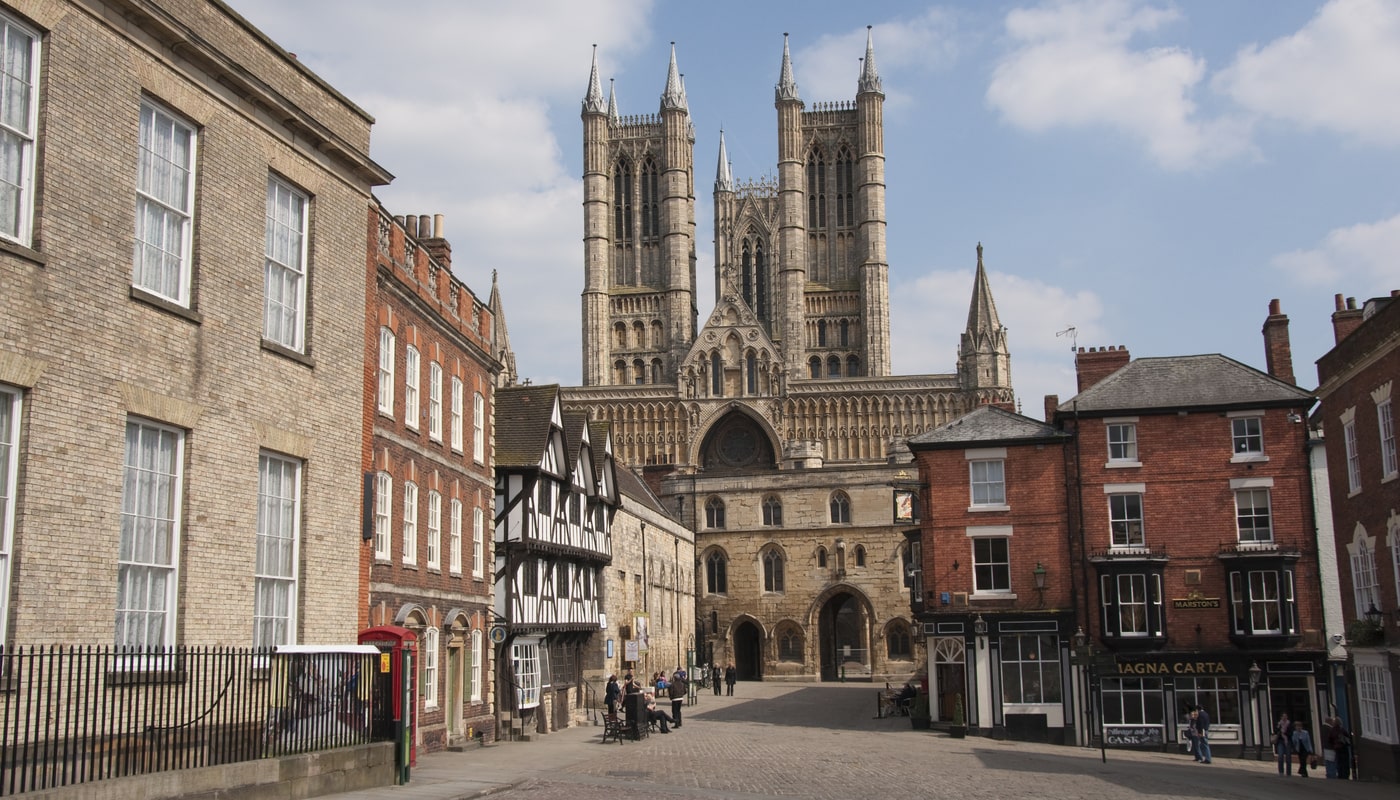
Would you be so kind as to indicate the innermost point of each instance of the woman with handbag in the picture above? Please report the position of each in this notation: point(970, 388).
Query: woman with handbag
point(1303, 746)
point(1283, 744)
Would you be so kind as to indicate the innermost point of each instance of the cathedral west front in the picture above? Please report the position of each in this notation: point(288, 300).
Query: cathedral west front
point(773, 428)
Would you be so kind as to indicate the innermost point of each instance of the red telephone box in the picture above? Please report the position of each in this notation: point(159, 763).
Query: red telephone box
point(395, 715)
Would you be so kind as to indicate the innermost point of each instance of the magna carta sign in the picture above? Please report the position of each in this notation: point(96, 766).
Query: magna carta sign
point(1194, 599)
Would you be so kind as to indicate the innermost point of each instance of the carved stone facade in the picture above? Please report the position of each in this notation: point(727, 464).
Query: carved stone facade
point(775, 430)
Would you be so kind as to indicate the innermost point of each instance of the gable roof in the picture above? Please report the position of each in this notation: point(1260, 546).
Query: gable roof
point(987, 425)
point(523, 422)
point(1185, 382)
point(634, 489)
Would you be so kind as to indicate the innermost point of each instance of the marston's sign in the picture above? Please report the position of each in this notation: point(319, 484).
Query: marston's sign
point(1194, 599)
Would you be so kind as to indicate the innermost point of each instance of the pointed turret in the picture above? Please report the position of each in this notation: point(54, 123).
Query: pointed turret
point(787, 87)
point(500, 337)
point(593, 101)
point(674, 98)
point(724, 177)
point(869, 76)
point(612, 101)
point(984, 360)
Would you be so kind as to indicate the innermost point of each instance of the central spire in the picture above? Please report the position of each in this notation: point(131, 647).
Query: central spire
point(674, 98)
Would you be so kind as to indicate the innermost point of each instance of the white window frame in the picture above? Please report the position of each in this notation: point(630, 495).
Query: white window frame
point(1253, 493)
point(434, 530)
point(410, 522)
point(457, 419)
point(10, 419)
point(525, 666)
point(1117, 520)
point(1385, 422)
point(284, 277)
point(412, 374)
point(479, 427)
point(170, 209)
point(476, 669)
point(435, 401)
point(992, 487)
point(22, 49)
point(990, 533)
point(429, 655)
point(276, 578)
point(1364, 583)
point(383, 516)
point(1137, 585)
point(386, 371)
point(1265, 597)
point(454, 538)
point(1375, 697)
point(140, 512)
point(1122, 442)
point(1246, 440)
point(478, 542)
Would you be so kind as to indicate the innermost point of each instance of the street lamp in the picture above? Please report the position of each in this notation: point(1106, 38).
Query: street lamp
point(1254, 673)
point(1373, 615)
point(1039, 573)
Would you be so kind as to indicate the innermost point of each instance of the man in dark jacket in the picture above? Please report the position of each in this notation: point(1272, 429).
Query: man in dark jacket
point(1203, 734)
point(677, 691)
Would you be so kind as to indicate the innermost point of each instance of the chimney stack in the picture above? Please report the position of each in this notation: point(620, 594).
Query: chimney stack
point(1278, 354)
point(1052, 402)
point(1345, 319)
point(1096, 363)
point(433, 241)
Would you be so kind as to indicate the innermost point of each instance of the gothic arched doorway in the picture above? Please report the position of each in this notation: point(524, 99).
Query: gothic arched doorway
point(841, 632)
point(748, 651)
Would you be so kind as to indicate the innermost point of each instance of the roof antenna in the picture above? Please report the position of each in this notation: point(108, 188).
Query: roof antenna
point(1073, 334)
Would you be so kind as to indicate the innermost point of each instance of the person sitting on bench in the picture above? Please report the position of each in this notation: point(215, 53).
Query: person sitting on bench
point(656, 715)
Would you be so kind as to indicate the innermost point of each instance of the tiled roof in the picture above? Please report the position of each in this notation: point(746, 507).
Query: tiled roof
point(985, 425)
point(1204, 381)
point(523, 414)
point(634, 489)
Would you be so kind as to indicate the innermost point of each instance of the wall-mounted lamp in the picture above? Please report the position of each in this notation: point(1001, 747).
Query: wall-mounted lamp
point(1039, 573)
point(979, 627)
point(1373, 615)
point(1080, 638)
point(1295, 418)
point(1254, 673)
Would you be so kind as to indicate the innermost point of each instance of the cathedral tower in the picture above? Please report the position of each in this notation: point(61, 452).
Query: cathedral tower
point(639, 311)
point(984, 360)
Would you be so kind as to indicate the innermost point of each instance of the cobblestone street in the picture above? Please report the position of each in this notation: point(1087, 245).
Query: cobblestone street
point(823, 741)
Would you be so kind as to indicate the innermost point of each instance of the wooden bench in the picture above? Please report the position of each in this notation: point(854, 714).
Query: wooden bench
point(614, 727)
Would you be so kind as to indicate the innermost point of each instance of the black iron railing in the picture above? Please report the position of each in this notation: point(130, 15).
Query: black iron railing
point(73, 714)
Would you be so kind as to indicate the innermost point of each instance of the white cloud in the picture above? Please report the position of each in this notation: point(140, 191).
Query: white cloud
point(1363, 253)
point(909, 49)
point(929, 315)
point(1072, 66)
point(1341, 72)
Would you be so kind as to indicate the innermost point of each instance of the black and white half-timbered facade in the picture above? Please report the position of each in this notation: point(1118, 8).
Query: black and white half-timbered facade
point(556, 494)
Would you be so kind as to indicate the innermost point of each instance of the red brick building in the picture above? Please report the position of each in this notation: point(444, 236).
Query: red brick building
point(1356, 379)
point(995, 597)
point(429, 381)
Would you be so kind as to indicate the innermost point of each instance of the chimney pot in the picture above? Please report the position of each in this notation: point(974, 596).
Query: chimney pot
point(437, 226)
point(1274, 307)
point(1338, 302)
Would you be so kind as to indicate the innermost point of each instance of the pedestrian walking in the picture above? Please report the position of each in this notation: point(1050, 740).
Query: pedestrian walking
point(716, 676)
point(1202, 725)
point(1337, 740)
point(1303, 746)
point(611, 695)
point(731, 677)
point(1192, 744)
point(1283, 744)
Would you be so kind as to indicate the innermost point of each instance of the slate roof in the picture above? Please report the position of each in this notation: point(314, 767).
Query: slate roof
point(632, 487)
point(987, 425)
point(1184, 382)
point(523, 415)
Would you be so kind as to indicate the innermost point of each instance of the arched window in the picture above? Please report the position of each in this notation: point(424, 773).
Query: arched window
point(821, 333)
point(845, 333)
point(760, 278)
point(639, 371)
point(897, 642)
point(620, 335)
point(821, 557)
point(816, 191)
point(840, 508)
point(714, 513)
point(833, 367)
point(790, 644)
point(860, 555)
point(651, 202)
point(716, 577)
point(751, 373)
point(639, 335)
point(656, 370)
point(619, 372)
point(657, 340)
point(716, 375)
point(746, 274)
point(772, 570)
point(772, 510)
point(852, 367)
point(845, 189)
point(815, 367)
point(622, 202)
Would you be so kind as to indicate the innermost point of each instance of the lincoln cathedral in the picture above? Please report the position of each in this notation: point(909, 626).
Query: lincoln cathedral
point(774, 429)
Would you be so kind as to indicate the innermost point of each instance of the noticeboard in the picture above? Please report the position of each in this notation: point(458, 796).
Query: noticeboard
point(1133, 735)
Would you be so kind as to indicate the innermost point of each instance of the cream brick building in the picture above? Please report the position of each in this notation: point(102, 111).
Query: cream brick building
point(177, 395)
point(774, 430)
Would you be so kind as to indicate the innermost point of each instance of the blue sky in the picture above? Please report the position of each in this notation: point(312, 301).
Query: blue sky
point(1148, 173)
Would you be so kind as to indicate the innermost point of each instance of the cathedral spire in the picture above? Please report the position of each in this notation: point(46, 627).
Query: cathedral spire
point(674, 98)
point(982, 316)
point(984, 360)
point(724, 177)
point(612, 101)
point(869, 76)
point(500, 337)
point(787, 87)
point(593, 101)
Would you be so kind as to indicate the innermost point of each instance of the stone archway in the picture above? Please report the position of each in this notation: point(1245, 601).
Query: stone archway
point(841, 632)
point(748, 651)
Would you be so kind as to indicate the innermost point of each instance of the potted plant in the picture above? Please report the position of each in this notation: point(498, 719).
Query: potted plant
point(918, 712)
point(959, 727)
